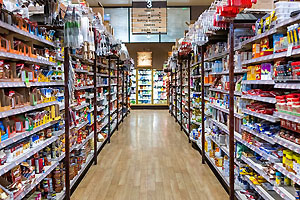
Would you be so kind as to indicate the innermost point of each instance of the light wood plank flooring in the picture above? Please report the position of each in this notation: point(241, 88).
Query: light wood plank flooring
point(149, 158)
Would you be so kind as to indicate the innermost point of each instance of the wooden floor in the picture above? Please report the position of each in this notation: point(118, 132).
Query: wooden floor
point(149, 158)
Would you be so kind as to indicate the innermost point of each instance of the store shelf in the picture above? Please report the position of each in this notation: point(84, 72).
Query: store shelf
point(223, 127)
point(100, 144)
point(269, 118)
point(258, 82)
point(91, 109)
point(112, 111)
point(285, 192)
point(38, 179)
point(257, 167)
point(195, 64)
point(193, 140)
point(237, 71)
point(218, 169)
point(258, 98)
point(239, 194)
point(29, 84)
point(267, 156)
point(115, 99)
point(261, 191)
point(102, 75)
point(81, 106)
point(19, 136)
point(196, 76)
point(260, 135)
point(197, 123)
point(81, 70)
point(222, 147)
point(26, 35)
point(217, 56)
point(81, 125)
point(100, 108)
point(291, 86)
point(225, 91)
point(144, 84)
point(290, 175)
point(258, 37)
point(103, 126)
point(82, 59)
point(102, 85)
point(25, 155)
point(272, 31)
point(25, 109)
point(144, 89)
point(84, 87)
point(80, 146)
point(240, 116)
point(287, 116)
point(83, 167)
point(27, 59)
point(287, 144)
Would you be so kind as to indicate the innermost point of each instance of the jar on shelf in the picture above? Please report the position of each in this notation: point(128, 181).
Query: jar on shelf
point(278, 179)
point(219, 161)
point(284, 157)
point(289, 161)
point(287, 181)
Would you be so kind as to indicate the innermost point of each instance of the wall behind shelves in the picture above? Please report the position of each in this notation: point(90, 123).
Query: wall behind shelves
point(159, 52)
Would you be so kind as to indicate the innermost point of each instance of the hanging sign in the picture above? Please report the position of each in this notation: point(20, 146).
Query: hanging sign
point(149, 17)
point(144, 59)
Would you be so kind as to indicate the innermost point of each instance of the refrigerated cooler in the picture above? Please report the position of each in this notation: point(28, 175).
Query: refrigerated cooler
point(149, 87)
point(144, 86)
point(159, 87)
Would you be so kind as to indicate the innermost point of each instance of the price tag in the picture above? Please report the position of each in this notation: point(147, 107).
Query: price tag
point(289, 50)
point(27, 84)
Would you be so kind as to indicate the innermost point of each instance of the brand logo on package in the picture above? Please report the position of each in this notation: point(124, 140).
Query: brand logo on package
point(149, 17)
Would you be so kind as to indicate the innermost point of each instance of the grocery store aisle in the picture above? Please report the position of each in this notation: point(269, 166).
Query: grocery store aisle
point(149, 158)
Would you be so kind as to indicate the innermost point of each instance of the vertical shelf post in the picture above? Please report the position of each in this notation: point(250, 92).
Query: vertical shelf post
point(175, 99)
point(126, 90)
point(109, 97)
point(231, 111)
point(170, 93)
point(189, 97)
point(129, 87)
point(202, 106)
point(118, 60)
point(123, 90)
point(181, 88)
point(95, 110)
point(67, 122)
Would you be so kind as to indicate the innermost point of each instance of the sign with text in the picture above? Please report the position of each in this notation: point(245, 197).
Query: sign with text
point(144, 59)
point(149, 17)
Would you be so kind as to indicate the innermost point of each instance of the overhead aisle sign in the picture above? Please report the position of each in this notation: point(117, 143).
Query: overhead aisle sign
point(149, 17)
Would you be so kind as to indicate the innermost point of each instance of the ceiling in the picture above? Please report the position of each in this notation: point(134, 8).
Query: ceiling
point(170, 2)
